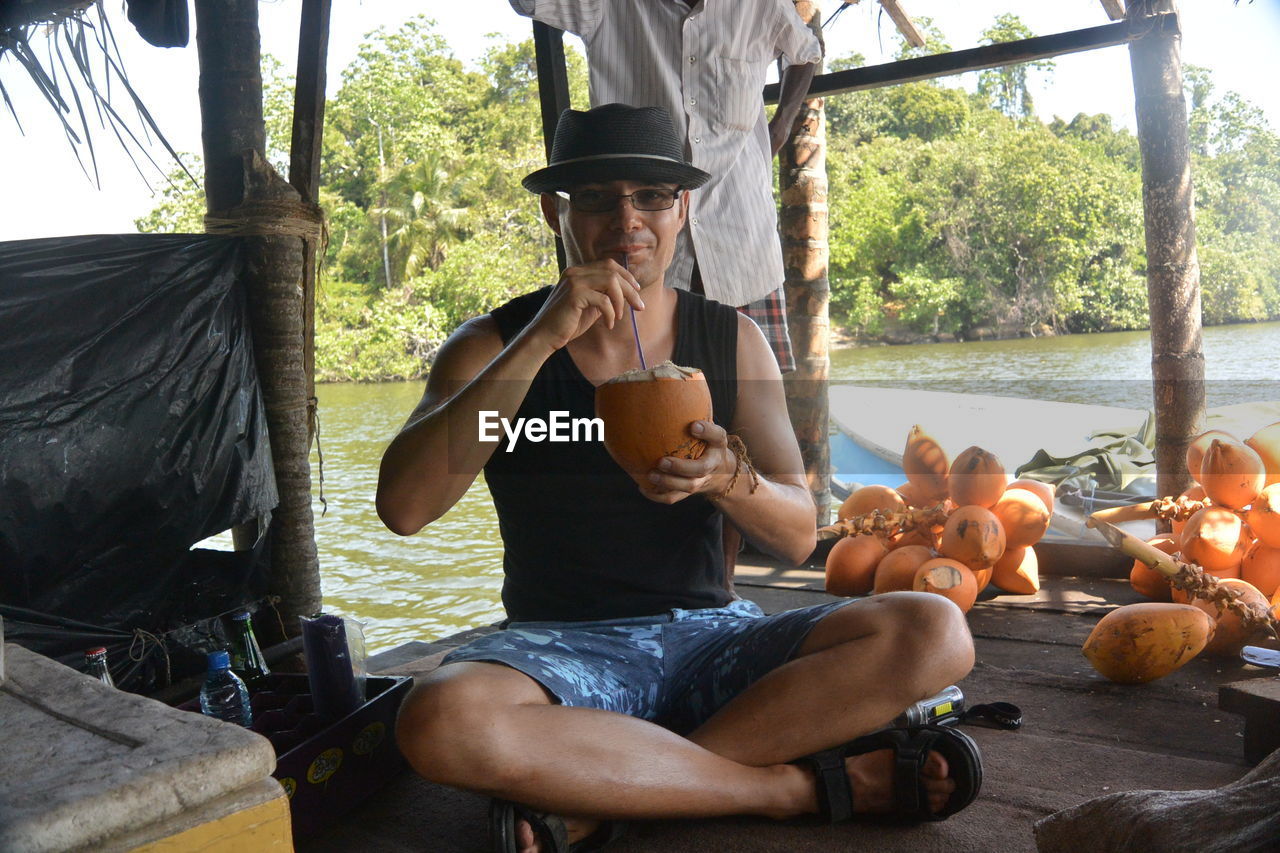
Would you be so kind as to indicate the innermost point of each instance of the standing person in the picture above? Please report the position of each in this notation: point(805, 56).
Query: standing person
point(627, 681)
point(704, 62)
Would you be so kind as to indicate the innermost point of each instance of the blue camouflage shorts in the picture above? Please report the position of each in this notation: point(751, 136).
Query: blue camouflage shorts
point(675, 669)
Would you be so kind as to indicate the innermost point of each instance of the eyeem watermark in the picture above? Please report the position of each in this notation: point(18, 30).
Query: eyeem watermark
point(559, 427)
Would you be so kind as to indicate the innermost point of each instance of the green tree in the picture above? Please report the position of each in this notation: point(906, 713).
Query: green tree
point(424, 214)
point(926, 110)
point(1236, 163)
point(180, 208)
point(934, 40)
point(1006, 88)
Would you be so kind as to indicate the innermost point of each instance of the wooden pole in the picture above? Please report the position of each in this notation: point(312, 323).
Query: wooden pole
point(1173, 270)
point(304, 168)
point(977, 58)
point(803, 221)
point(240, 186)
point(309, 99)
point(553, 93)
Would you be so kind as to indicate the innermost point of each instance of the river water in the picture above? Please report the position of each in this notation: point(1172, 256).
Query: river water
point(448, 577)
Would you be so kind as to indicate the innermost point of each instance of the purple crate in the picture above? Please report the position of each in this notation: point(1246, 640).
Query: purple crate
point(328, 767)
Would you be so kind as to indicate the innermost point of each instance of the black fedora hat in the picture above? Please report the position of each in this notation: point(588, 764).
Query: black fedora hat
point(615, 142)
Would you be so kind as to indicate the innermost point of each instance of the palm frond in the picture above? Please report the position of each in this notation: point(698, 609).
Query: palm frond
point(72, 40)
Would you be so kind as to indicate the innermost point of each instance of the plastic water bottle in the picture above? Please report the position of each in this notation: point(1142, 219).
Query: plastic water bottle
point(223, 694)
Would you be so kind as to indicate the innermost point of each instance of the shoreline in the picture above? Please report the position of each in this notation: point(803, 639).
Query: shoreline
point(842, 338)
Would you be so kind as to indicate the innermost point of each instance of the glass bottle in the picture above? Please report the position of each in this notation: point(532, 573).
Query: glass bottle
point(223, 694)
point(247, 659)
point(95, 661)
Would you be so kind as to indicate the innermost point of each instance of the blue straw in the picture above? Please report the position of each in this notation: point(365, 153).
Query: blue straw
point(634, 328)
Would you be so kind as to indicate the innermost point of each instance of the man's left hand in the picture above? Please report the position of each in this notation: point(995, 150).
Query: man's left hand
point(676, 479)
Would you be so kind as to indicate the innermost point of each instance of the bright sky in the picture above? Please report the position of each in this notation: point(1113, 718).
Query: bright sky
point(47, 195)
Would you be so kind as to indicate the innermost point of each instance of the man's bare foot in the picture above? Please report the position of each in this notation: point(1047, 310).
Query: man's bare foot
point(527, 841)
point(871, 775)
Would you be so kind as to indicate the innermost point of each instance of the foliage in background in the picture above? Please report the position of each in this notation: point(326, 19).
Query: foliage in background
point(952, 212)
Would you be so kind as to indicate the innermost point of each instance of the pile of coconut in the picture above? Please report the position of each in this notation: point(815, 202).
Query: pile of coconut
point(951, 529)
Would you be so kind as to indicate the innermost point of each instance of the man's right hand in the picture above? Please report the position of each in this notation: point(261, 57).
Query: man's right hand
point(599, 290)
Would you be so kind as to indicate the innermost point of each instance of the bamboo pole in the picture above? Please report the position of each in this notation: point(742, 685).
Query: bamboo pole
point(1173, 270)
point(238, 180)
point(803, 183)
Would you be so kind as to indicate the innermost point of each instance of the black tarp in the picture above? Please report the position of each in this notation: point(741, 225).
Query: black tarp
point(131, 427)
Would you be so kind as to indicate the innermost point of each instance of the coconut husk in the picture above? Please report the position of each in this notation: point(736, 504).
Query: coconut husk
point(1238, 818)
point(885, 523)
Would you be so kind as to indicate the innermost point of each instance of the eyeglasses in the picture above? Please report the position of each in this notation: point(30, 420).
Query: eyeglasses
point(595, 201)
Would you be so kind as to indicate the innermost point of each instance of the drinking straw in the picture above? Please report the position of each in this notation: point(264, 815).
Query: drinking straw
point(634, 328)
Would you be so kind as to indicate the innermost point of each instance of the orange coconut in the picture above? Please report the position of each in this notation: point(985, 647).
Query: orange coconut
point(1214, 539)
point(1232, 474)
point(973, 536)
point(897, 569)
point(976, 478)
point(1017, 571)
point(1229, 634)
point(1195, 493)
point(926, 465)
point(915, 536)
point(1266, 443)
point(647, 414)
point(983, 577)
point(1044, 491)
point(949, 579)
point(1142, 642)
point(1261, 567)
point(910, 494)
point(1199, 446)
point(1264, 515)
point(1146, 580)
point(1023, 516)
point(851, 564)
point(869, 499)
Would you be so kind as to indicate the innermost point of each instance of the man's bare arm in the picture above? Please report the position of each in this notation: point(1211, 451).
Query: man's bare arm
point(437, 454)
point(793, 85)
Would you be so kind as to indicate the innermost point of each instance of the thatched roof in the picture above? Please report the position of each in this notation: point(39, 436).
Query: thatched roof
point(58, 44)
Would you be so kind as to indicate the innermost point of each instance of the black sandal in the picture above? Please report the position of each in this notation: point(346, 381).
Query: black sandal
point(911, 747)
point(504, 814)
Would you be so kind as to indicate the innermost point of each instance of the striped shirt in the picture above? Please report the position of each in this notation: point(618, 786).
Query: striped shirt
point(706, 65)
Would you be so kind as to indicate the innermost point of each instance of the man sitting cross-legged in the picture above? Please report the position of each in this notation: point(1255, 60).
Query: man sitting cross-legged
point(628, 681)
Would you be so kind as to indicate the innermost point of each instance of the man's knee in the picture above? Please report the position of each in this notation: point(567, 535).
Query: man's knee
point(451, 725)
point(928, 627)
point(921, 630)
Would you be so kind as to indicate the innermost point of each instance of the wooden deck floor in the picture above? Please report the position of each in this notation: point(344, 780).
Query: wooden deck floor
point(1082, 737)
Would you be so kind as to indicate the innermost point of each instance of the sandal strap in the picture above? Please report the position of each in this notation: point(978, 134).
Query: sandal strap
point(910, 752)
point(550, 828)
point(835, 794)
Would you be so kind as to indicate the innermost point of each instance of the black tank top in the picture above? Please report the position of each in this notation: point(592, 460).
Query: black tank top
point(580, 541)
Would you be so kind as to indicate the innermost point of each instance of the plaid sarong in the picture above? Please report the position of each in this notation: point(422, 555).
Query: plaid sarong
point(770, 314)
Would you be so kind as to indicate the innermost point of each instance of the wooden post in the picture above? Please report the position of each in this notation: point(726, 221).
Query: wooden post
point(308, 99)
point(304, 170)
point(553, 94)
point(1173, 270)
point(803, 220)
point(242, 190)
